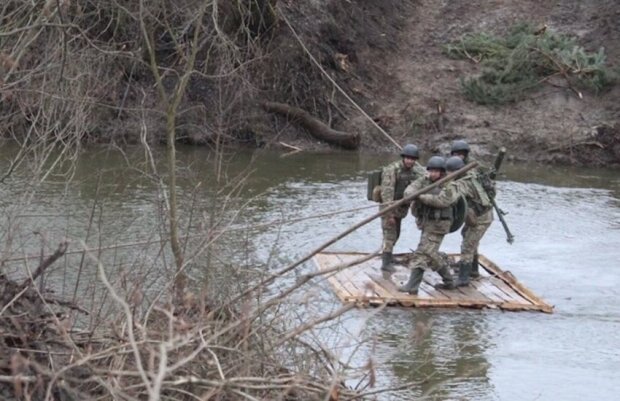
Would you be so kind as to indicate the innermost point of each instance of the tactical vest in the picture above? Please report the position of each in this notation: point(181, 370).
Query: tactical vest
point(403, 179)
point(426, 212)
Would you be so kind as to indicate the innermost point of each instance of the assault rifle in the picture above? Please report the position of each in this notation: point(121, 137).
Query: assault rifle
point(500, 213)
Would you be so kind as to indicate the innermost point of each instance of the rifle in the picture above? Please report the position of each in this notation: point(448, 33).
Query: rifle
point(500, 213)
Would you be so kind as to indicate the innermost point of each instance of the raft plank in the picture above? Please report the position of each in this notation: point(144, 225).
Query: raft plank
point(489, 290)
point(518, 286)
point(347, 288)
point(363, 284)
point(454, 295)
point(342, 293)
point(430, 291)
point(472, 293)
point(511, 294)
point(354, 278)
point(386, 288)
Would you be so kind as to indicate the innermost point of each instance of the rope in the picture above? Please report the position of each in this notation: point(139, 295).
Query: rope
point(314, 60)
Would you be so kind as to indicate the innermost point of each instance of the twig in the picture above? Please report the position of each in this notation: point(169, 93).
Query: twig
point(286, 145)
point(561, 69)
point(67, 304)
point(315, 322)
point(62, 248)
point(338, 109)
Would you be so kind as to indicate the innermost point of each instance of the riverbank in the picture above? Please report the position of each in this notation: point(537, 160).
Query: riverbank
point(100, 80)
point(394, 67)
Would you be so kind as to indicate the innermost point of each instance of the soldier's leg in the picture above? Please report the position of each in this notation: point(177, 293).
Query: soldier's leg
point(469, 249)
point(390, 235)
point(439, 264)
point(415, 278)
point(397, 225)
point(475, 272)
point(446, 276)
point(418, 263)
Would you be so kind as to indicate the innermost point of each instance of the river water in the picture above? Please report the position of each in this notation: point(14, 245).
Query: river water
point(567, 250)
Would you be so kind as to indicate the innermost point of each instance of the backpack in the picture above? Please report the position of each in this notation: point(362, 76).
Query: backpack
point(373, 190)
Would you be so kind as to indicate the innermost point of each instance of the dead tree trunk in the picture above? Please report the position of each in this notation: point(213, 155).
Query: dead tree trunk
point(316, 128)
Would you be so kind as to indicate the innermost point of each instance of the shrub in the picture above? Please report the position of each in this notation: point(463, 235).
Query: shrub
point(522, 60)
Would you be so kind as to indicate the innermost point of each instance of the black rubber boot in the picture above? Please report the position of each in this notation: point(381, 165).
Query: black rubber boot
point(464, 272)
point(448, 280)
point(475, 273)
point(386, 262)
point(414, 282)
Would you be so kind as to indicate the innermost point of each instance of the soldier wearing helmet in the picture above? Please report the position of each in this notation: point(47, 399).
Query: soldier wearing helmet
point(460, 148)
point(395, 177)
point(479, 217)
point(434, 223)
point(479, 214)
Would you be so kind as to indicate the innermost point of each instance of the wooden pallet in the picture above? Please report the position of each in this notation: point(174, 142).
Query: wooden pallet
point(356, 277)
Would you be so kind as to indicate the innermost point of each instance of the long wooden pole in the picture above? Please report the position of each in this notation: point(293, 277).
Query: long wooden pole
point(362, 223)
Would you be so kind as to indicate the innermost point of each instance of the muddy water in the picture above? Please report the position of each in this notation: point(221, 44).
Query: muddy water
point(567, 250)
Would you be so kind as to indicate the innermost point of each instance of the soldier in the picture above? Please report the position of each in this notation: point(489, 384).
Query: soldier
point(435, 224)
point(474, 229)
point(461, 149)
point(394, 179)
point(479, 213)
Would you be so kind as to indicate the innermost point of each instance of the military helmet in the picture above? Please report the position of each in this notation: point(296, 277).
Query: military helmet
point(454, 163)
point(436, 163)
point(410, 150)
point(459, 146)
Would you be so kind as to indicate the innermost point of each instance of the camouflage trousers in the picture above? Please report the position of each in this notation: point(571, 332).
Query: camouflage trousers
point(391, 232)
point(473, 231)
point(427, 254)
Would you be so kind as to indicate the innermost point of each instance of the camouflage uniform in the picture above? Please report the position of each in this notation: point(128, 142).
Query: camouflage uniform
point(394, 179)
point(479, 213)
point(479, 216)
point(483, 172)
point(435, 224)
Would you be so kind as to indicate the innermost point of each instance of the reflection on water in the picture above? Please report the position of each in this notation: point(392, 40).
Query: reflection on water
point(566, 222)
point(444, 354)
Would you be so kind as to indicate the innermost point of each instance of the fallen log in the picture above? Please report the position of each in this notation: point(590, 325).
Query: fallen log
point(316, 128)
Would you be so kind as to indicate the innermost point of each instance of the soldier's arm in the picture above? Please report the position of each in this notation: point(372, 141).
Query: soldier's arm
point(447, 197)
point(388, 181)
point(413, 188)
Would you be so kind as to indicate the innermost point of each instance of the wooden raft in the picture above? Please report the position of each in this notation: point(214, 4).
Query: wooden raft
point(356, 277)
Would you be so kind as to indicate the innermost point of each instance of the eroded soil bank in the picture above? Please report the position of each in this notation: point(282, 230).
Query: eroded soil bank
point(101, 72)
point(388, 57)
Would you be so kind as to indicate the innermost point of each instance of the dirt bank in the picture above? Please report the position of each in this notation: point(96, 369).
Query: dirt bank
point(90, 76)
point(397, 72)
